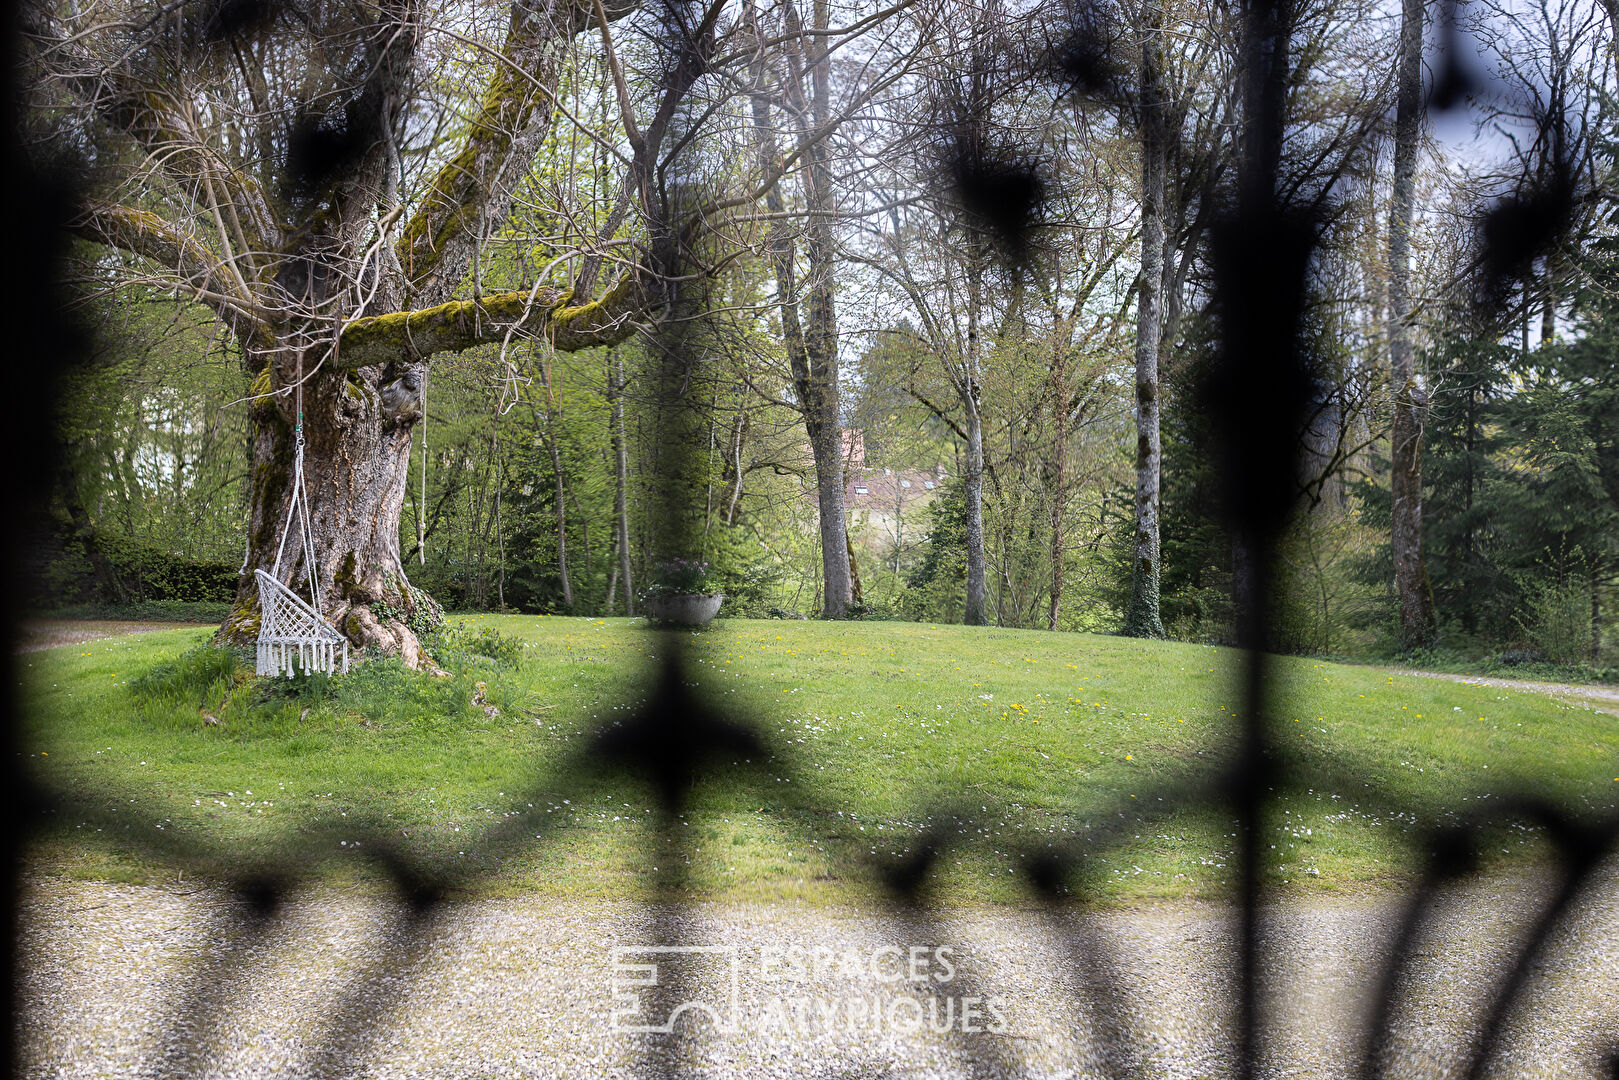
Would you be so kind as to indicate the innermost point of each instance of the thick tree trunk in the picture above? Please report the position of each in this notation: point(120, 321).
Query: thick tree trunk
point(1142, 618)
point(1410, 573)
point(357, 433)
point(835, 548)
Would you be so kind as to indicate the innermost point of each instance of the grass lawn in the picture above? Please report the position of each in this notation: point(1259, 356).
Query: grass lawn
point(1030, 738)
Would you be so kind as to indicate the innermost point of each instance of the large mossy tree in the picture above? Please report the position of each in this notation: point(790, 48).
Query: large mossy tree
point(336, 181)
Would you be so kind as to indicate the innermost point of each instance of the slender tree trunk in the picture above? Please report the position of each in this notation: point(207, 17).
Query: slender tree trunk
point(500, 534)
point(1059, 467)
point(562, 508)
point(977, 611)
point(856, 593)
point(421, 502)
point(821, 337)
point(1528, 309)
point(1142, 618)
point(357, 431)
point(1410, 573)
point(1244, 580)
point(621, 476)
point(738, 433)
point(1548, 306)
point(812, 344)
point(1596, 613)
point(1469, 618)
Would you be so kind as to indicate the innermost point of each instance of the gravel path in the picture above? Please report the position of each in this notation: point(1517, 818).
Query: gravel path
point(1600, 698)
point(524, 988)
point(37, 634)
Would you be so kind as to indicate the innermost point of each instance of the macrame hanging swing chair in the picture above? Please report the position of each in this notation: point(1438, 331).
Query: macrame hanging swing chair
point(293, 635)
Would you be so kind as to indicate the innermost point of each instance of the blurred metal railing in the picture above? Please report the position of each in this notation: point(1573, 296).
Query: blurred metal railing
point(1261, 253)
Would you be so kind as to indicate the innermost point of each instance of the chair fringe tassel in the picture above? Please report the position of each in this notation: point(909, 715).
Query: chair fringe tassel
point(292, 657)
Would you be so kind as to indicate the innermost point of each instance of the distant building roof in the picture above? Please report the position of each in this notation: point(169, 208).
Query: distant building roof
point(890, 488)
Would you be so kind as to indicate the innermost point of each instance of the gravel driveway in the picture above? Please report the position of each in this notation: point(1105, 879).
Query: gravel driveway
point(1588, 695)
point(36, 634)
point(525, 988)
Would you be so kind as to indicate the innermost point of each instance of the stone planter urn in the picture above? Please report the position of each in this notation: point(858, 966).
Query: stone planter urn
point(683, 609)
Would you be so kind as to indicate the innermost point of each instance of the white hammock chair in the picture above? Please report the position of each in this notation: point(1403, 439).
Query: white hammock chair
point(293, 635)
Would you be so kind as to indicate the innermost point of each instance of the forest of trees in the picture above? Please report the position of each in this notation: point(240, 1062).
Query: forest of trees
point(449, 231)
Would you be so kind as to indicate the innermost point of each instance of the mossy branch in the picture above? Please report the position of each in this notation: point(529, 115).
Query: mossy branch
point(463, 324)
point(149, 236)
point(470, 195)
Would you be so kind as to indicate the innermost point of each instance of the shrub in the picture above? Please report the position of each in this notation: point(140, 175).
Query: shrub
point(678, 576)
point(1557, 621)
point(457, 644)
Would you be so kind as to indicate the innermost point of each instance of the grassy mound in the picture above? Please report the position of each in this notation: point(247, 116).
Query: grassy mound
point(1012, 741)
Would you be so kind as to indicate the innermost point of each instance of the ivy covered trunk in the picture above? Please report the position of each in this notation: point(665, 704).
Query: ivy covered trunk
point(357, 429)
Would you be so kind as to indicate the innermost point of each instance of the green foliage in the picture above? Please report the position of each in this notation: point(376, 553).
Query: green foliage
point(935, 590)
point(1556, 619)
point(679, 576)
point(1323, 605)
point(148, 572)
point(457, 645)
point(1195, 559)
point(750, 579)
point(153, 481)
point(1521, 506)
point(424, 617)
point(142, 571)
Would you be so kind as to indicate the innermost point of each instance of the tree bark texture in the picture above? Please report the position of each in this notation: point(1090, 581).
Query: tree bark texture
point(1417, 622)
point(357, 441)
point(1142, 617)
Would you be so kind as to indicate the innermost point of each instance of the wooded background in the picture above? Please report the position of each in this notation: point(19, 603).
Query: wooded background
point(858, 170)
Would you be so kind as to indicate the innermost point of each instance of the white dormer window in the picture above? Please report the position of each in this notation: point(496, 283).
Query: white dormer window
point(862, 491)
point(904, 483)
point(928, 484)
